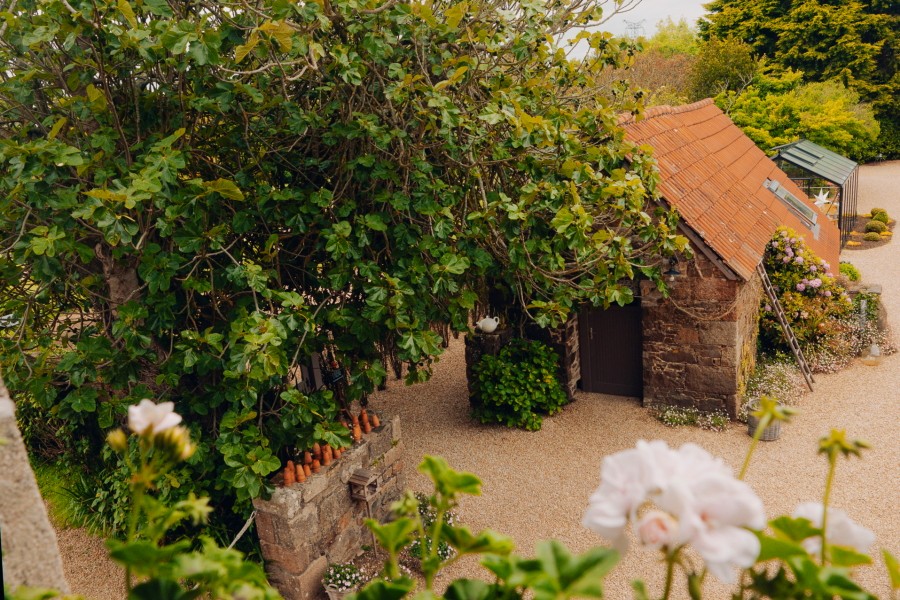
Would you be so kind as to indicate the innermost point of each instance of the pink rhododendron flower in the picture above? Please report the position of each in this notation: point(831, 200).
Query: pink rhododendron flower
point(801, 287)
point(151, 418)
point(842, 530)
point(799, 260)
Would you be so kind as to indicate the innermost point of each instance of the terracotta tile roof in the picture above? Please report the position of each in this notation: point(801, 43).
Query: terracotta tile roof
point(713, 175)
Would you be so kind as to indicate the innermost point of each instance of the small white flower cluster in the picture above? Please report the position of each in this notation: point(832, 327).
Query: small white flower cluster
point(444, 550)
point(342, 576)
point(428, 513)
point(701, 503)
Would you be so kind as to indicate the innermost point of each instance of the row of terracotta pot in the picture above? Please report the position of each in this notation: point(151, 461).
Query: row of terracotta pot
point(323, 454)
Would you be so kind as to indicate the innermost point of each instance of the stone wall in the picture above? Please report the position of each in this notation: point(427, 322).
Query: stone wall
point(697, 344)
point(30, 551)
point(564, 341)
point(305, 527)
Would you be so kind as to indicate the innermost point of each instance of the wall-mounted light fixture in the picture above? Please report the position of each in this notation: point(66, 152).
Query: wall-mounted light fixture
point(673, 271)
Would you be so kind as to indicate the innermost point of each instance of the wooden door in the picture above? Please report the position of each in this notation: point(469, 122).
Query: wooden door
point(612, 359)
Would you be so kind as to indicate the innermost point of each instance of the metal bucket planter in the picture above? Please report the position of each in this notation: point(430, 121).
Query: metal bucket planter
point(770, 433)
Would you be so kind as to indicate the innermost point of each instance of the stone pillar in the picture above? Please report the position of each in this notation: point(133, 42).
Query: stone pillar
point(309, 525)
point(564, 341)
point(477, 345)
point(30, 551)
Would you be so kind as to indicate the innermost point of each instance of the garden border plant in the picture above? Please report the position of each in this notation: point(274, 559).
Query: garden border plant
point(518, 385)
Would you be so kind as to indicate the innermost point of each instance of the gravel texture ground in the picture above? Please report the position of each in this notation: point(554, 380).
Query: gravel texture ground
point(536, 485)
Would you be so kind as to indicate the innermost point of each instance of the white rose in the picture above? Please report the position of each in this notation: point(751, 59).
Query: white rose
point(842, 530)
point(713, 511)
point(657, 530)
point(151, 418)
point(626, 479)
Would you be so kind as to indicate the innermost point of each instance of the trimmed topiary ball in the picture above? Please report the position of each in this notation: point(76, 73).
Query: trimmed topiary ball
point(876, 226)
point(872, 236)
point(875, 211)
point(881, 217)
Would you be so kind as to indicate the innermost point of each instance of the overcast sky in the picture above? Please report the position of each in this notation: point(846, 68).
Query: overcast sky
point(653, 11)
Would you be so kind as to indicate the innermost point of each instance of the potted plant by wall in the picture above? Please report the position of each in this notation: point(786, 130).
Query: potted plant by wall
point(341, 579)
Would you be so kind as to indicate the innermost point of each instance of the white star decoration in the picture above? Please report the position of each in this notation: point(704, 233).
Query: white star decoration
point(822, 198)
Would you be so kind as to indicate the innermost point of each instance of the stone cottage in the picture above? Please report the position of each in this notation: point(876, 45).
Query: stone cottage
point(698, 347)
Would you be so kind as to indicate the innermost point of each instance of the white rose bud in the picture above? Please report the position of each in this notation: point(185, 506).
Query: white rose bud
point(151, 419)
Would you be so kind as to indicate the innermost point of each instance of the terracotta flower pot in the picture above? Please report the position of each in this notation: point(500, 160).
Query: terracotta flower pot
point(376, 422)
point(307, 458)
point(317, 451)
point(307, 470)
point(316, 465)
point(290, 474)
point(364, 421)
point(299, 474)
point(327, 455)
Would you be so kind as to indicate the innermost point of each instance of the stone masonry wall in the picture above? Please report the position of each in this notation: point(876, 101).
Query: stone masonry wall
point(696, 343)
point(564, 341)
point(751, 295)
point(30, 552)
point(305, 527)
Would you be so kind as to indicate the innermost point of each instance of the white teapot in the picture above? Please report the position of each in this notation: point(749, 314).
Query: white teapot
point(488, 324)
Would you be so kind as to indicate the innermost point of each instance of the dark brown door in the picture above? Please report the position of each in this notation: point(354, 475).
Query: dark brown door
point(612, 361)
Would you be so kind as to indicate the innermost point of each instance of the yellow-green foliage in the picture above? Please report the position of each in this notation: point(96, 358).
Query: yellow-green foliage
point(777, 109)
point(881, 216)
point(872, 236)
point(875, 226)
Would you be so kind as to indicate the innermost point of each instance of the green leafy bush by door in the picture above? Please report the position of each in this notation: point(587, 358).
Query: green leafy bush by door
point(518, 385)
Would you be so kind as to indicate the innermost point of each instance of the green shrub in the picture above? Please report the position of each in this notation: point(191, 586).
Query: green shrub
point(849, 271)
point(882, 217)
point(875, 226)
point(876, 211)
point(872, 236)
point(517, 384)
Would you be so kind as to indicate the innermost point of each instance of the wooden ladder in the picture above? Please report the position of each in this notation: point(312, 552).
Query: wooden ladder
point(785, 326)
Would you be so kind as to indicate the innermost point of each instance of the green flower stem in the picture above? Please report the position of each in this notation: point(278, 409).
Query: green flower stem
point(433, 547)
point(138, 485)
point(829, 480)
point(764, 422)
point(671, 559)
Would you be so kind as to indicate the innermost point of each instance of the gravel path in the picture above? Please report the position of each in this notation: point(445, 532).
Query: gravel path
point(536, 485)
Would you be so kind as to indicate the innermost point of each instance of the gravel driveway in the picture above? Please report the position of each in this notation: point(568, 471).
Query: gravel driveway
point(536, 485)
